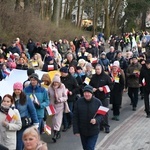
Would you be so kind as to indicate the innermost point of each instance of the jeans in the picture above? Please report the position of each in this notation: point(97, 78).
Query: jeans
point(20, 144)
point(89, 142)
point(41, 125)
point(67, 117)
point(133, 94)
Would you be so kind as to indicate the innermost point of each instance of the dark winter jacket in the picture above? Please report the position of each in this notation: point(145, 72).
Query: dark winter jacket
point(145, 75)
point(132, 74)
point(84, 111)
point(100, 81)
point(71, 84)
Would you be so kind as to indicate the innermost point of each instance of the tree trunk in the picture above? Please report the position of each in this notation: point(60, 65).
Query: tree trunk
point(143, 21)
point(56, 12)
point(107, 20)
point(78, 13)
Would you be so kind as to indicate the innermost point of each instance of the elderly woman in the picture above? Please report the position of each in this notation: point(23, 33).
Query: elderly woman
point(31, 140)
point(58, 96)
point(10, 122)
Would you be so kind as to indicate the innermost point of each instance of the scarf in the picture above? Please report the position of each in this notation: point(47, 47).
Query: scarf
point(4, 109)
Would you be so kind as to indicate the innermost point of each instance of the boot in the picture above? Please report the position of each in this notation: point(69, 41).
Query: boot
point(58, 135)
point(54, 136)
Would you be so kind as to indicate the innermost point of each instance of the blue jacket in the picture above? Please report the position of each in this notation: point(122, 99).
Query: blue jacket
point(42, 96)
point(27, 110)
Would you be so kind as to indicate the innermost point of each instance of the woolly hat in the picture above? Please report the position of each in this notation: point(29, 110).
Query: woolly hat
point(18, 86)
point(103, 53)
point(116, 64)
point(35, 76)
point(88, 88)
point(64, 69)
point(57, 78)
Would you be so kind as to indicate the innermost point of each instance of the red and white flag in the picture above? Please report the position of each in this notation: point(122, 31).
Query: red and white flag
point(50, 67)
point(10, 115)
point(47, 129)
point(106, 89)
point(50, 110)
point(102, 110)
point(143, 82)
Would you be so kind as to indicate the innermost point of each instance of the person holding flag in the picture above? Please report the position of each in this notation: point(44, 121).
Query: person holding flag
point(10, 122)
point(144, 80)
point(102, 86)
point(87, 117)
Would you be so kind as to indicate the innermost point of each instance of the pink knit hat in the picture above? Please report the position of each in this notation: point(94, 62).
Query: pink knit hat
point(18, 86)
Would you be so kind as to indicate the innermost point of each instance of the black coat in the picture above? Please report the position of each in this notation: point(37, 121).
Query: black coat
point(71, 84)
point(100, 81)
point(84, 111)
point(145, 74)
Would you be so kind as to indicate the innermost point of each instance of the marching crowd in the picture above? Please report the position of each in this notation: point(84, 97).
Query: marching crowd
point(89, 76)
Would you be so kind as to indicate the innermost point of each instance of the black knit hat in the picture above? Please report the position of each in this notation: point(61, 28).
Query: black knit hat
point(35, 76)
point(88, 88)
point(64, 69)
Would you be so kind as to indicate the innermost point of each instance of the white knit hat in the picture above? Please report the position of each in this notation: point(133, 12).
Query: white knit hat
point(116, 64)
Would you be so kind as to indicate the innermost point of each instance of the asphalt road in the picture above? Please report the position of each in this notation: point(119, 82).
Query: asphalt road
point(69, 141)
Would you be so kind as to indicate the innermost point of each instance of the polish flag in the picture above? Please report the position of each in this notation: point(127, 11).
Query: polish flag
point(10, 115)
point(51, 110)
point(143, 82)
point(47, 129)
point(102, 110)
point(50, 67)
point(106, 89)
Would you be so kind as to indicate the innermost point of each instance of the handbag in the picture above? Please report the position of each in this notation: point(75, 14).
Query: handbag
point(26, 122)
point(66, 107)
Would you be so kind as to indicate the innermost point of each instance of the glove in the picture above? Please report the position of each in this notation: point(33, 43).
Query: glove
point(37, 106)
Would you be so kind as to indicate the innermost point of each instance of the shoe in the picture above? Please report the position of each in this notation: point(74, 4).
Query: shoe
point(64, 129)
point(107, 130)
point(58, 135)
point(117, 118)
point(134, 108)
point(113, 118)
point(54, 136)
point(148, 116)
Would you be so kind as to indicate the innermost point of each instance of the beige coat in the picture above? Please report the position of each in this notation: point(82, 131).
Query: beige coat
point(8, 135)
point(57, 99)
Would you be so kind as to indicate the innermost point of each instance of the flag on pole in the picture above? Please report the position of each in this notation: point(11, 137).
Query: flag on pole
point(106, 89)
point(50, 110)
point(47, 129)
point(143, 82)
point(10, 115)
point(102, 110)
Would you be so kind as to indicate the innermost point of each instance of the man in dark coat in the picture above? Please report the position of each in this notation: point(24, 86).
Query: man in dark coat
point(99, 81)
point(72, 88)
point(85, 120)
point(144, 81)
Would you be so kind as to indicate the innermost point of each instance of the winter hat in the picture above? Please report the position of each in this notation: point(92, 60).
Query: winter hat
point(56, 78)
point(116, 64)
point(30, 71)
point(88, 88)
point(18, 86)
point(35, 76)
point(64, 69)
point(103, 53)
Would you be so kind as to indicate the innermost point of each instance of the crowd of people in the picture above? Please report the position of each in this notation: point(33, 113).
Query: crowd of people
point(92, 74)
